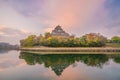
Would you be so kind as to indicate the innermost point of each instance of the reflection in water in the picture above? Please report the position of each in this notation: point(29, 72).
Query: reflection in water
point(66, 67)
point(8, 59)
point(117, 60)
point(59, 62)
point(3, 51)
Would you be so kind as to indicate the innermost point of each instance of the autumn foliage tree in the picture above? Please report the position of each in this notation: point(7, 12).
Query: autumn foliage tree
point(93, 40)
point(88, 40)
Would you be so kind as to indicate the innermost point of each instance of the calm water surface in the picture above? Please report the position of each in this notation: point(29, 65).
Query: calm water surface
point(16, 65)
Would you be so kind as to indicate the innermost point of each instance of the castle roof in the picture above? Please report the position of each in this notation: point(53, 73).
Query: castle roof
point(58, 31)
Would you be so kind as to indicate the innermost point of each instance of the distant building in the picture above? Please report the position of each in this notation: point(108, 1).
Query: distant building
point(58, 31)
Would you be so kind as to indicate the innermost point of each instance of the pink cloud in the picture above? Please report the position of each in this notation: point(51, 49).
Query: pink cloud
point(12, 35)
point(72, 14)
point(75, 16)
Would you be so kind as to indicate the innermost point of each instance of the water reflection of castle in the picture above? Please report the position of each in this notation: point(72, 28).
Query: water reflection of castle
point(60, 62)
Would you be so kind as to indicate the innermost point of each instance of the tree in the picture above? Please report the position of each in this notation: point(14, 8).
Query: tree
point(23, 43)
point(115, 39)
point(93, 40)
point(88, 40)
point(47, 35)
point(30, 41)
point(53, 42)
point(83, 41)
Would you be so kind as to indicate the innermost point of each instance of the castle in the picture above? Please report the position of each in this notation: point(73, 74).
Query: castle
point(58, 31)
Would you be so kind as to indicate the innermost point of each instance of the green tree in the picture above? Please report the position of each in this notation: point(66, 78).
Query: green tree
point(115, 39)
point(47, 35)
point(83, 41)
point(54, 42)
point(30, 41)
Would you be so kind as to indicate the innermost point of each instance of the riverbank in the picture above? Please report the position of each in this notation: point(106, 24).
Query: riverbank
point(71, 50)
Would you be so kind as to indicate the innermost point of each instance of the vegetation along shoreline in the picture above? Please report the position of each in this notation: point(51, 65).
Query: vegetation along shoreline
point(60, 41)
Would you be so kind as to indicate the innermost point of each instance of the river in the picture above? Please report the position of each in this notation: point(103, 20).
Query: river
point(18, 65)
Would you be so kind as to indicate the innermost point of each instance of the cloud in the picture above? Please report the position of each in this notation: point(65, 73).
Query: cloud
point(75, 16)
point(12, 35)
point(72, 14)
point(10, 16)
point(81, 16)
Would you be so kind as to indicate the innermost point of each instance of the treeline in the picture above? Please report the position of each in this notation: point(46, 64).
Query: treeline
point(87, 40)
point(115, 39)
point(8, 46)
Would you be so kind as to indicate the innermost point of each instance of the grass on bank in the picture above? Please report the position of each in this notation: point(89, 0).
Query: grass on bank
point(116, 45)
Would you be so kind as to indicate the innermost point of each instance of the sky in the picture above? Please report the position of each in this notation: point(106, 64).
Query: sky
point(20, 18)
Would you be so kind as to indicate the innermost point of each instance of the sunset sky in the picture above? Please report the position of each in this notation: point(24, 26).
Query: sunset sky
point(20, 18)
